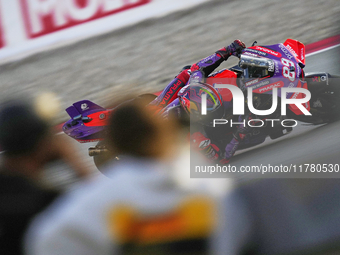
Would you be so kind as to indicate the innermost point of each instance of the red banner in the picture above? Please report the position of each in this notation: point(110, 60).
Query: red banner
point(1, 40)
point(47, 16)
point(2, 44)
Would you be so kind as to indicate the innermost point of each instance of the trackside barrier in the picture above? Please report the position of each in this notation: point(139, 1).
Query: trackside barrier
point(30, 26)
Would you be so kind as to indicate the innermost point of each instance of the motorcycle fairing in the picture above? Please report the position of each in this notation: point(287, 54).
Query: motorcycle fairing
point(297, 49)
point(72, 111)
point(99, 118)
point(85, 106)
point(288, 59)
point(88, 121)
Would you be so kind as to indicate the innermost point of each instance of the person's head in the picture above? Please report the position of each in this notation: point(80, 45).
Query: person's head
point(190, 98)
point(26, 140)
point(21, 129)
point(134, 130)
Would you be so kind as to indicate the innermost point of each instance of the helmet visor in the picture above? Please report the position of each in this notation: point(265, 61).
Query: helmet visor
point(203, 102)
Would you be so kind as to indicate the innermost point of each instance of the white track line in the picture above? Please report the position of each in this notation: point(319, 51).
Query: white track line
point(322, 50)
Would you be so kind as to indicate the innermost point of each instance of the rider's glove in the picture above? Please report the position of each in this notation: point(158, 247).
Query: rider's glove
point(204, 146)
point(234, 49)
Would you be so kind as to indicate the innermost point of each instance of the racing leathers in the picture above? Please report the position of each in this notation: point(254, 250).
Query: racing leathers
point(168, 103)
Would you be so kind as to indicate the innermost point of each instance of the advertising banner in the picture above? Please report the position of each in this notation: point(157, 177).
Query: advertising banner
point(31, 26)
point(45, 17)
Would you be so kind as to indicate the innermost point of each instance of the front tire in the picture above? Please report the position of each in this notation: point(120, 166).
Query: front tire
point(325, 98)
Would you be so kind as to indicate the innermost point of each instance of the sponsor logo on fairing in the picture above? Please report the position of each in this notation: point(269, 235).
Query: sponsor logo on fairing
point(257, 52)
point(302, 58)
point(298, 71)
point(253, 82)
point(84, 106)
point(292, 50)
point(285, 51)
point(263, 83)
point(270, 87)
point(269, 51)
point(250, 54)
point(249, 83)
point(271, 66)
point(277, 70)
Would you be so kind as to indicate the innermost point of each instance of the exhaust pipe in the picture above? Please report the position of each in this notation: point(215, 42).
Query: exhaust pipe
point(94, 151)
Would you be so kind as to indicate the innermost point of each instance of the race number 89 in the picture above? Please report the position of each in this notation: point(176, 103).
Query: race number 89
point(286, 71)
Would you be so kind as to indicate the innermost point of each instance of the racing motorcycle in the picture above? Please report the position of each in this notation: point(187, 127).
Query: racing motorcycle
point(262, 69)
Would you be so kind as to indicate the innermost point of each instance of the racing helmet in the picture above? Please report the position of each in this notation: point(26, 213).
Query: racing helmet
point(190, 98)
point(256, 67)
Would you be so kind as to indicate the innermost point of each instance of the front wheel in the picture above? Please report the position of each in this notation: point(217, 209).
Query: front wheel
point(325, 98)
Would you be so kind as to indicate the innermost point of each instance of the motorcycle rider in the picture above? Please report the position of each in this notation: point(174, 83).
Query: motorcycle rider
point(170, 101)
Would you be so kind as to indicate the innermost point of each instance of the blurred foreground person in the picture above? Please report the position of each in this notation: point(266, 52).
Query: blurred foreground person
point(281, 216)
point(27, 145)
point(137, 208)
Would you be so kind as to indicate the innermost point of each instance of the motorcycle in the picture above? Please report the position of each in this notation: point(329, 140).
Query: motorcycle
point(261, 68)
